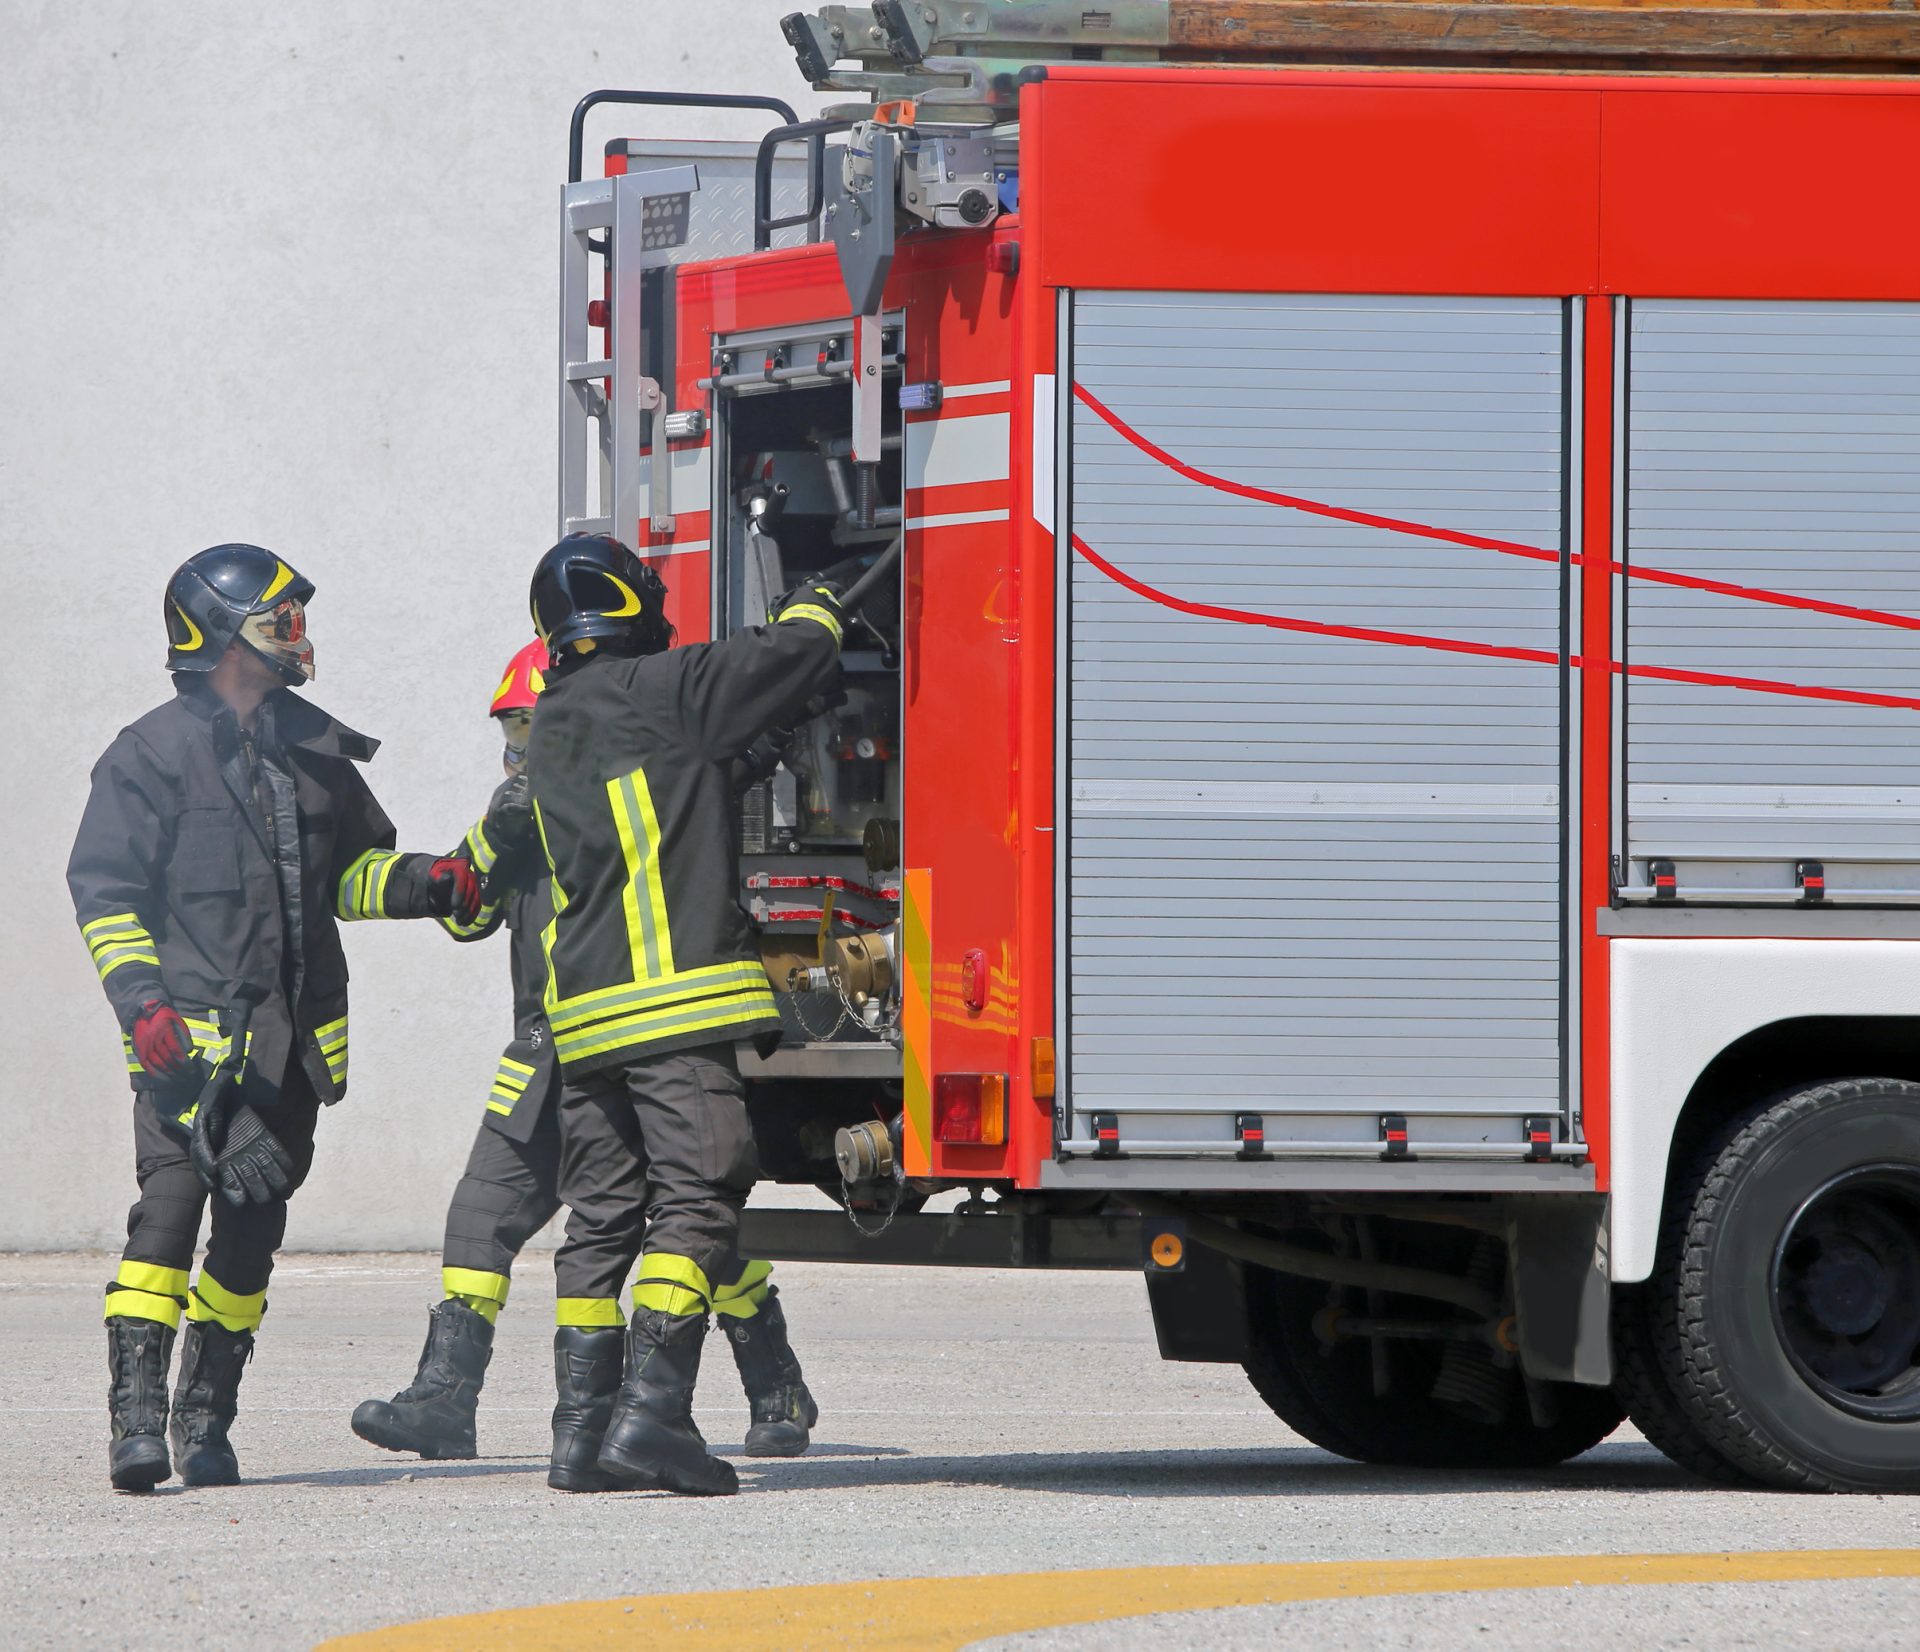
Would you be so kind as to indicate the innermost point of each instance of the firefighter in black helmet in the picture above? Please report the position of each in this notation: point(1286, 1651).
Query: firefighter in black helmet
point(510, 1187)
point(653, 973)
point(226, 832)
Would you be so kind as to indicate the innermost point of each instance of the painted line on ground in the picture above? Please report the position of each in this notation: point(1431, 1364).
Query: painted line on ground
point(943, 1614)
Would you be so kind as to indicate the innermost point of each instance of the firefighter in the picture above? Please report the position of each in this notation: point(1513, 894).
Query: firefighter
point(653, 973)
point(225, 833)
point(510, 1188)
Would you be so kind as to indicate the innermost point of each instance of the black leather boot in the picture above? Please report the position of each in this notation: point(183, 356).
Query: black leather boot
point(205, 1400)
point(651, 1441)
point(586, 1375)
point(434, 1415)
point(138, 1351)
point(782, 1408)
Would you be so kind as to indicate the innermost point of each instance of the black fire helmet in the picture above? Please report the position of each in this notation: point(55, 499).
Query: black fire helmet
point(213, 592)
point(590, 587)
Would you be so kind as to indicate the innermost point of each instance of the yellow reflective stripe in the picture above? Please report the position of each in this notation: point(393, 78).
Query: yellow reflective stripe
point(687, 983)
point(91, 926)
point(363, 886)
point(811, 611)
point(131, 1304)
point(208, 1041)
point(743, 1298)
point(709, 1013)
point(120, 936)
point(509, 1085)
point(282, 578)
point(671, 1284)
point(380, 875)
point(645, 897)
point(490, 1287)
point(332, 1039)
point(752, 1274)
point(587, 1311)
point(152, 1277)
point(129, 958)
point(211, 1300)
point(483, 852)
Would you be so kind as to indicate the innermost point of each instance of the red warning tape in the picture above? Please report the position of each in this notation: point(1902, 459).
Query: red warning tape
point(1506, 547)
point(1458, 645)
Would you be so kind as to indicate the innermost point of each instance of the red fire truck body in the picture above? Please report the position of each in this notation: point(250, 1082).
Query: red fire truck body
point(1404, 700)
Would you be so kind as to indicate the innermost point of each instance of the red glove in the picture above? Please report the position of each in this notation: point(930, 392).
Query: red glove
point(454, 888)
point(161, 1041)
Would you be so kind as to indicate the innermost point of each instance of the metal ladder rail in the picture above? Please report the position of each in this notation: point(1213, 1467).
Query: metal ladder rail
point(638, 213)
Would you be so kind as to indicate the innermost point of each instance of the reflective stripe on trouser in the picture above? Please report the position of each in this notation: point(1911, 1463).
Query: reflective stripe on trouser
point(584, 1312)
point(211, 1300)
point(163, 1227)
point(506, 1195)
point(671, 1285)
point(657, 1155)
point(145, 1290)
point(742, 1298)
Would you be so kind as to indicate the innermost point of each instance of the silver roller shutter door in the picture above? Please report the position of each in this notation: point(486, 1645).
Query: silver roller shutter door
point(1312, 877)
point(1774, 445)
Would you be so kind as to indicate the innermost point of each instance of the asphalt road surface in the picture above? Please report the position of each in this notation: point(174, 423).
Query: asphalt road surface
point(975, 1425)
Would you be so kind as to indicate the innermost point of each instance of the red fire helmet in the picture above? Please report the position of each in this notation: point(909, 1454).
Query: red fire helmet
point(526, 676)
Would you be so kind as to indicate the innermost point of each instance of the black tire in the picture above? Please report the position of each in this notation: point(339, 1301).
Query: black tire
point(1649, 1400)
point(1786, 1300)
point(1326, 1394)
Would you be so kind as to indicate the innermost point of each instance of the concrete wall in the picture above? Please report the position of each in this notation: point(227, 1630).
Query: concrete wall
point(287, 273)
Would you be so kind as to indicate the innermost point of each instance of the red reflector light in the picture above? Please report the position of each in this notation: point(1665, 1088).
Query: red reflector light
point(973, 980)
point(970, 1109)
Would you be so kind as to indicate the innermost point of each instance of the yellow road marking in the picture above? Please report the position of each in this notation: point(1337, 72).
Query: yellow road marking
point(941, 1614)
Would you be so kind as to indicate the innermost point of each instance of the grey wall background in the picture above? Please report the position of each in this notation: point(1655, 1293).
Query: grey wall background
point(287, 273)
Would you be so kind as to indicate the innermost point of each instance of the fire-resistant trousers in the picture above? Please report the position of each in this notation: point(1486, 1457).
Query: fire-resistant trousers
point(163, 1227)
point(656, 1155)
point(506, 1195)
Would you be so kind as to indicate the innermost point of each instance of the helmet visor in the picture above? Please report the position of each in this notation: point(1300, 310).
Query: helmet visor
point(280, 634)
point(515, 726)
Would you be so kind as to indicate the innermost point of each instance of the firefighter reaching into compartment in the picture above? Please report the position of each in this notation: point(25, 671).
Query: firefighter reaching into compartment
point(653, 973)
point(226, 832)
point(509, 1190)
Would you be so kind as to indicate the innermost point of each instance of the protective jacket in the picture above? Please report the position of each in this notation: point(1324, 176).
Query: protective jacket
point(208, 859)
point(517, 895)
point(631, 759)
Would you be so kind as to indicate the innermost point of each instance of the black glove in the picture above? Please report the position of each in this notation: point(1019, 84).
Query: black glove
point(251, 1166)
point(419, 886)
point(822, 598)
point(509, 819)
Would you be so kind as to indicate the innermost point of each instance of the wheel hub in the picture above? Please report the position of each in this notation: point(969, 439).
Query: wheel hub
point(1846, 1291)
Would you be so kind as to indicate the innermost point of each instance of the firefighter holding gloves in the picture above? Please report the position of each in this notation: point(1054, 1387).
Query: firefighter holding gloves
point(225, 834)
point(653, 973)
point(510, 1189)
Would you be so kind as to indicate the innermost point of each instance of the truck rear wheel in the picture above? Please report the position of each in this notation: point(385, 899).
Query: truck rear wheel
point(1326, 1393)
point(1786, 1299)
point(1648, 1398)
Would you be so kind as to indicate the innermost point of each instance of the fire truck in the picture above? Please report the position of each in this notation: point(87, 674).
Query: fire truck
point(1377, 778)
